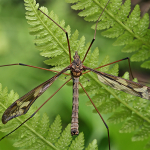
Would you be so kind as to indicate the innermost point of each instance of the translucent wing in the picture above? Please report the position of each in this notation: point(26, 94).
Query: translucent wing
point(22, 105)
point(124, 85)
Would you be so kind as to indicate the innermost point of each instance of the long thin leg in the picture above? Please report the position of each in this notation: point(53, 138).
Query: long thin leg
point(98, 114)
point(95, 32)
point(116, 62)
point(63, 30)
point(35, 111)
point(32, 67)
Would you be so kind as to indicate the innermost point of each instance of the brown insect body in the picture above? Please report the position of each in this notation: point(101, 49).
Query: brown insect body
point(76, 72)
point(22, 105)
point(76, 66)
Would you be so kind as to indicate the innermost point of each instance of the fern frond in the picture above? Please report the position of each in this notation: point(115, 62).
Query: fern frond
point(37, 133)
point(50, 39)
point(52, 42)
point(130, 30)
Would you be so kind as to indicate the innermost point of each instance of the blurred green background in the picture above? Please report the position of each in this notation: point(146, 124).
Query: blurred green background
point(16, 46)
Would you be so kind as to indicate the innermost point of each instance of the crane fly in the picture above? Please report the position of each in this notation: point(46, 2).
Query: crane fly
point(22, 105)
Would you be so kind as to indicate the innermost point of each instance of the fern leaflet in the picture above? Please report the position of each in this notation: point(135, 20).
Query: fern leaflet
point(130, 30)
point(133, 33)
point(36, 133)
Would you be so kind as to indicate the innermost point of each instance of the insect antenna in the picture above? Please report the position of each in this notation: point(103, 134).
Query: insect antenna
point(95, 32)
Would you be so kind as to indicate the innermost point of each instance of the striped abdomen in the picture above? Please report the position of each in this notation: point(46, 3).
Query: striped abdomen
point(74, 122)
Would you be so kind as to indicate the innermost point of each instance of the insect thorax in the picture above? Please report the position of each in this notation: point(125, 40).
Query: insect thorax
point(77, 67)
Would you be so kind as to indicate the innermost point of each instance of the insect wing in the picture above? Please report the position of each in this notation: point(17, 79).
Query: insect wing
point(22, 105)
point(124, 85)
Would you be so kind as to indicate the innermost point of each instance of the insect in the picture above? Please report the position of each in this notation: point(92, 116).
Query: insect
point(22, 105)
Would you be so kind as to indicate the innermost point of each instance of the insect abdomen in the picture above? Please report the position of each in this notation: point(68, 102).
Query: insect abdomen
point(74, 122)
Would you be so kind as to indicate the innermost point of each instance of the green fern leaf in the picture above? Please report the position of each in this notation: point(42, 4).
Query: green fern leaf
point(132, 32)
point(120, 116)
point(44, 125)
point(55, 130)
point(133, 46)
point(92, 146)
point(141, 55)
point(65, 139)
point(132, 124)
point(36, 133)
point(146, 65)
point(78, 143)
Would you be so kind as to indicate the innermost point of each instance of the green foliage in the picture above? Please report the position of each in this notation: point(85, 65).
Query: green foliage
point(51, 40)
point(52, 43)
point(37, 133)
point(130, 30)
